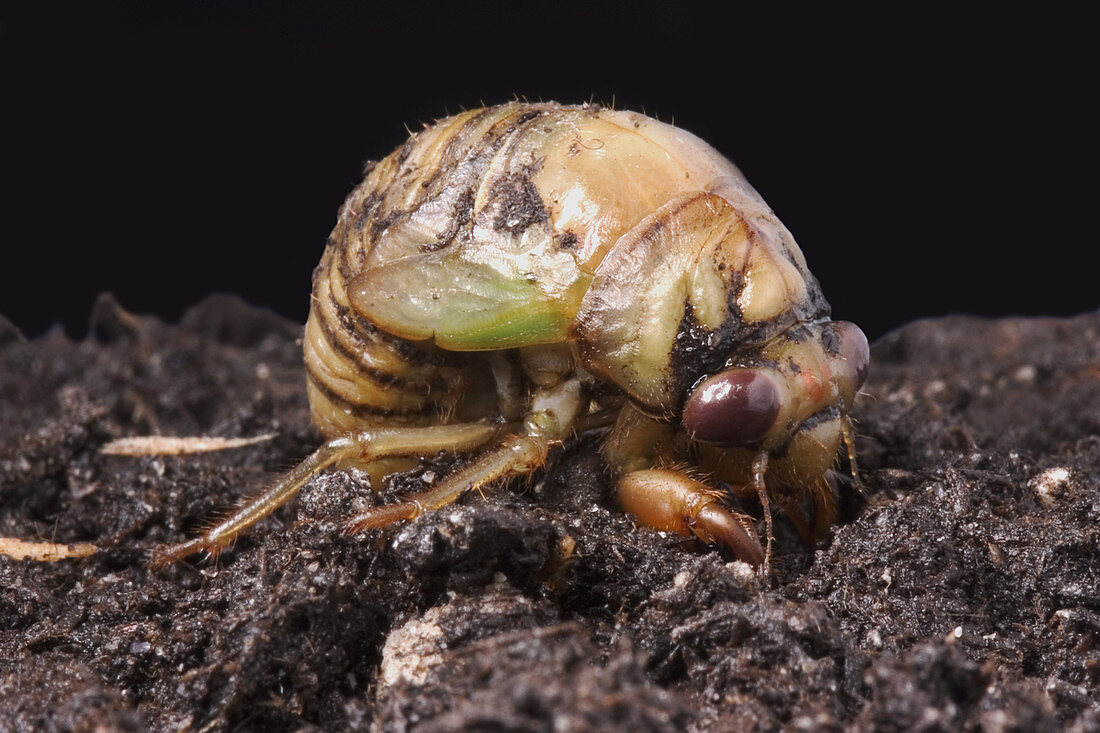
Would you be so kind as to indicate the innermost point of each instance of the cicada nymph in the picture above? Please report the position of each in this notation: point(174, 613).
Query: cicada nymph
point(516, 275)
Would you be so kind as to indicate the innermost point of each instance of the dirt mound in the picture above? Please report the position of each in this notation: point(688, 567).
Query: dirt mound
point(962, 591)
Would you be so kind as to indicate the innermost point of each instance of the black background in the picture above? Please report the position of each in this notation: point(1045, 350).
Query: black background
point(929, 157)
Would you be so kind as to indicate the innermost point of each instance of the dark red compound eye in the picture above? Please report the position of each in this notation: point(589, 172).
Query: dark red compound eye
point(855, 350)
point(734, 407)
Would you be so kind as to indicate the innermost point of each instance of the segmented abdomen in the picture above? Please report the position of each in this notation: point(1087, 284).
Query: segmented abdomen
point(358, 375)
point(530, 224)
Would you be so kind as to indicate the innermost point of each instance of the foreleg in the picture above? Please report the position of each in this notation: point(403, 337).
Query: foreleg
point(666, 500)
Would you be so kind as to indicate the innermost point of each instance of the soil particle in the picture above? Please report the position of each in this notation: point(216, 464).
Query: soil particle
point(934, 687)
point(546, 678)
point(517, 203)
point(960, 592)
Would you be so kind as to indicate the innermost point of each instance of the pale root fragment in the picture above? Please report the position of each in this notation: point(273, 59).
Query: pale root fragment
point(160, 445)
point(18, 549)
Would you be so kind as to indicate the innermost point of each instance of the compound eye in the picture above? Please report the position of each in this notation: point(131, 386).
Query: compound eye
point(734, 407)
point(855, 350)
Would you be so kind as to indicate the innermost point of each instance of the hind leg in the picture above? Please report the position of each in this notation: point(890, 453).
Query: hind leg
point(364, 446)
point(554, 411)
point(519, 454)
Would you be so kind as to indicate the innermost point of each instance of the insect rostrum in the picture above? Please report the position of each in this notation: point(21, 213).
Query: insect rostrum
point(515, 275)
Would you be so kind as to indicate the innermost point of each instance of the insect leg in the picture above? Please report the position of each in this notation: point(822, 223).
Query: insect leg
point(848, 434)
point(666, 500)
point(635, 440)
point(367, 445)
point(759, 468)
point(794, 510)
point(825, 507)
point(519, 454)
point(554, 411)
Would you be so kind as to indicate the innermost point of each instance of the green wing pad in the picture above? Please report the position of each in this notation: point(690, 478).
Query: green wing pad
point(462, 305)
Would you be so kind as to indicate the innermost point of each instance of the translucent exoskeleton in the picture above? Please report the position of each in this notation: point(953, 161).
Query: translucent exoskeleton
point(517, 275)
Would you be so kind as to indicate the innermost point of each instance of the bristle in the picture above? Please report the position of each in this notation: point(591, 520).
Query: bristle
point(216, 517)
point(688, 470)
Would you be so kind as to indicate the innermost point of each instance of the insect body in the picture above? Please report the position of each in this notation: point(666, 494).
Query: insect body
point(515, 275)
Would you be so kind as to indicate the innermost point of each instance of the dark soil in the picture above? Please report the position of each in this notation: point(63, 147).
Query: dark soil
point(963, 592)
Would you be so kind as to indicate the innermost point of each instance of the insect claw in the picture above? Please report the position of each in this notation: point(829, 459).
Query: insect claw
point(733, 531)
point(669, 501)
point(165, 555)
